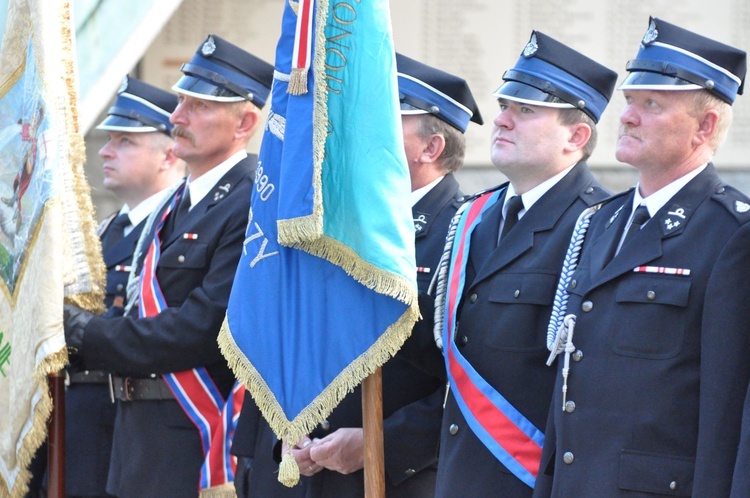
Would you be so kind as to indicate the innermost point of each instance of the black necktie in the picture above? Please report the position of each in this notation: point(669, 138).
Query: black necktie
point(183, 206)
point(515, 205)
point(115, 231)
point(640, 217)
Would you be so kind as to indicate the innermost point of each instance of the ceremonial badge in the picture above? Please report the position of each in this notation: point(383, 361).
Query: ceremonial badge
point(531, 47)
point(651, 34)
point(209, 47)
point(614, 217)
point(741, 207)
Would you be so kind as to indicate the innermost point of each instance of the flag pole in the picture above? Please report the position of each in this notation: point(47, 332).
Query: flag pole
point(56, 438)
point(372, 420)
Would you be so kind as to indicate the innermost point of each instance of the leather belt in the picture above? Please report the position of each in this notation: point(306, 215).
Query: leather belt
point(88, 377)
point(134, 389)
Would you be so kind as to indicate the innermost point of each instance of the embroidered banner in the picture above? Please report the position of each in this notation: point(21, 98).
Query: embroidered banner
point(325, 291)
point(48, 246)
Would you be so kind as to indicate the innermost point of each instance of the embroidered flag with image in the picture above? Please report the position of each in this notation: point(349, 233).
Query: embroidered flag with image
point(49, 250)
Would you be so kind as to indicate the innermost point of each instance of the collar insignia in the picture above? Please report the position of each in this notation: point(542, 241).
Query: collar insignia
point(671, 224)
point(741, 207)
point(420, 222)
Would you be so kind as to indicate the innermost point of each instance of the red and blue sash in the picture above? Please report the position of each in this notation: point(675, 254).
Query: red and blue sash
point(506, 433)
point(194, 389)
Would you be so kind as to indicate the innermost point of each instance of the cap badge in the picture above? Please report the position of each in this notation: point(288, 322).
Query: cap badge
point(209, 47)
point(741, 207)
point(123, 85)
point(651, 34)
point(531, 47)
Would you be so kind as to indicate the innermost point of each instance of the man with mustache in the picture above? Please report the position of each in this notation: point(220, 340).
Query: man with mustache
point(508, 246)
point(139, 167)
point(655, 339)
point(163, 352)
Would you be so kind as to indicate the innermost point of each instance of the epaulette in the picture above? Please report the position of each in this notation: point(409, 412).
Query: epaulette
point(479, 194)
point(594, 195)
point(616, 196)
point(734, 201)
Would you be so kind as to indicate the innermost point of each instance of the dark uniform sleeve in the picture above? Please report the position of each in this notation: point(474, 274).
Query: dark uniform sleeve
point(181, 337)
point(741, 480)
point(725, 367)
point(411, 437)
point(420, 350)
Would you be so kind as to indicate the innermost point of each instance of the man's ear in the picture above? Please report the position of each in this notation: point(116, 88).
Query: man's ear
point(250, 120)
point(434, 148)
point(579, 136)
point(706, 127)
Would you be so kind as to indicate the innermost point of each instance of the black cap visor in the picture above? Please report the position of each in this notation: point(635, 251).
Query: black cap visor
point(121, 123)
point(200, 88)
point(521, 92)
point(647, 80)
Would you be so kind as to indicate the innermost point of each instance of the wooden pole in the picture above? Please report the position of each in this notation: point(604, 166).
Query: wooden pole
point(372, 420)
point(56, 438)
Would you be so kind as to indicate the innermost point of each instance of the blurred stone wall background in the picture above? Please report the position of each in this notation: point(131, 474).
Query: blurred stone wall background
point(477, 39)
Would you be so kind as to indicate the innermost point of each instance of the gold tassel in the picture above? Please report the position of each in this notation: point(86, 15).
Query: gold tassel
point(288, 470)
point(298, 82)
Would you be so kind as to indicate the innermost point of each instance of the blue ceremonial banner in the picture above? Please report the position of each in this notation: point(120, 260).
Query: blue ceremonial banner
point(325, 292)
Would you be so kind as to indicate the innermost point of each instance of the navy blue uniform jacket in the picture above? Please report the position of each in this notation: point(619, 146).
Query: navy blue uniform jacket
point(90, 413)
point(502, 328)
point(156, 449)
point(664, 368)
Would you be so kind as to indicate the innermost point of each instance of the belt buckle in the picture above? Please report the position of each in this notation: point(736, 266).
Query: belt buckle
point(124, 389)
point(128, 387)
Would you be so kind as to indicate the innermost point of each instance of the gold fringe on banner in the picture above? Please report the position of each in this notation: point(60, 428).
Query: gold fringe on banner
point(308, 228)
point(38, 433)
point(93, 300)
point(321, 407)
